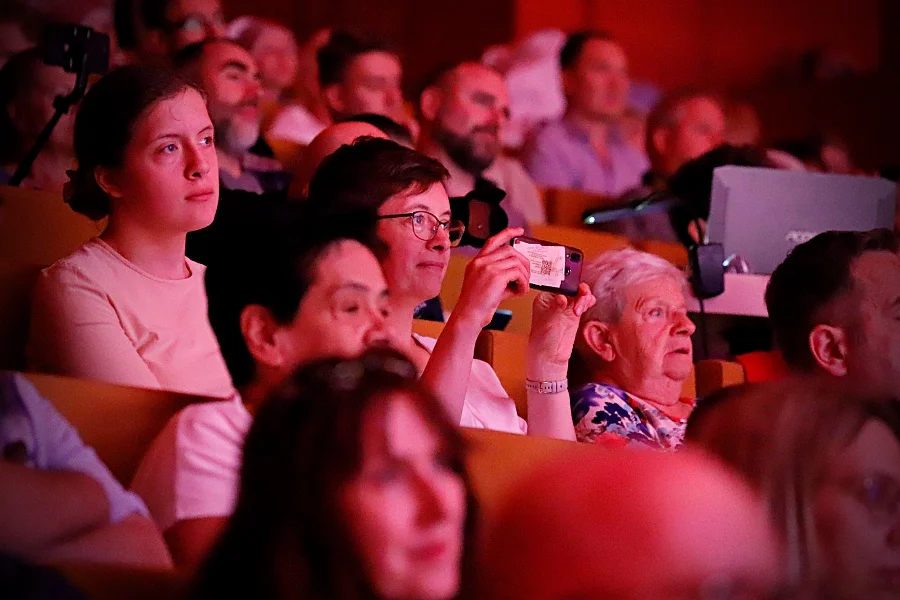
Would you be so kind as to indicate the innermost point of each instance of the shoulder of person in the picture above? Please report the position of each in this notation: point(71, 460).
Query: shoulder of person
point(213, 423)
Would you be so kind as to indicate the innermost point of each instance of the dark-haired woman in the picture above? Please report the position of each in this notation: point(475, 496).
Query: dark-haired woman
point(353, 485)
point(27, 90)
point(129, 307)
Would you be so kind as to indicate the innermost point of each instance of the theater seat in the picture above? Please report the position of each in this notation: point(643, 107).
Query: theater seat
point(713, 375)
point(498, 460)
point(506, 352)
point(565, 207)
point(430, 329)
point(590, 242)
point(109, 582)
point(763, 366)
point(16, 284)
point(673, 252)
point(39, 228)
point(118, 422)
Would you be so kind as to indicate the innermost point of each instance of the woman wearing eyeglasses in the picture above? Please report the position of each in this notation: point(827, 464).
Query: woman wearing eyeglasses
point(827, 463)
point(353, 485)
point(406, 189)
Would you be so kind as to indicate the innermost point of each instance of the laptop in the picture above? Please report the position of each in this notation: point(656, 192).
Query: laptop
point(761, 214)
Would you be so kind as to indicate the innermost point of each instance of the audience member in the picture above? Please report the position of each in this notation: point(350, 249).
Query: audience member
point(128, 307)
point(833, 304)
point(406, 189)
point(827, 464)
point(58, 502)
point(327, 142)
point(636, 345)
point(353, 485)
point(742, 124)
point(463, 115)
point(681, 128)
point(692, 183)
point(307, 115)
point(820, 153)
point(360, 76)
point(274, 49)
point(630, 526)
point(157, 29)
point(28, 88)
point(584, 150)
point(303, 290)
point(231, 80)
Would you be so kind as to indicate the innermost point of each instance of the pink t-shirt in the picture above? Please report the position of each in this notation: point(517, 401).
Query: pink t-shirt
point(192, 469)
point(95, 315)
point(487, 405)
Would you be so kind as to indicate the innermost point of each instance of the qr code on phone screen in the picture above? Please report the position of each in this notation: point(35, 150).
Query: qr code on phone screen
point(546, 267)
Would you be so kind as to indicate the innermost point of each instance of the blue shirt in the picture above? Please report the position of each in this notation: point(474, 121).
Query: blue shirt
point(561, 156)
point(39, 437)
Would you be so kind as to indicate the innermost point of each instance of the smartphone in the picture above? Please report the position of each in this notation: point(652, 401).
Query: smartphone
point(554, 267)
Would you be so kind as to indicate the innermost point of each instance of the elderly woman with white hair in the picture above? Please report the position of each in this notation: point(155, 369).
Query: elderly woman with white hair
point(636, 344)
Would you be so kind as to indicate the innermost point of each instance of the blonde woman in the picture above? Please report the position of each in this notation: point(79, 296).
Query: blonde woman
point(827, 464)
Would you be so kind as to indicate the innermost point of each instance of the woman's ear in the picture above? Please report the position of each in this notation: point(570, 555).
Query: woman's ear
point(259, 330)
point(597, 337)
point(108, 182)
point(828, 345)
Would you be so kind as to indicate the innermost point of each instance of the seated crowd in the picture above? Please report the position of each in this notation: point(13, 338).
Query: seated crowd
point(327, 450)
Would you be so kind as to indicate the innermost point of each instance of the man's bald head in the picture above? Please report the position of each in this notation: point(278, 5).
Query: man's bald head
point(329, 140)
point(631, 525)
point(463, 113)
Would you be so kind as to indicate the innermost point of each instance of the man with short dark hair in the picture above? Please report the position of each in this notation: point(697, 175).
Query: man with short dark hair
point(360, 76)
point(584, 150)
point(463, 115)
point(297, 290)
point(834, 304)
point(154, 29)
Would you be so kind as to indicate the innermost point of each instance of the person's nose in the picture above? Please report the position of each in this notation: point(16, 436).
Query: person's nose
point(381, 331)
point(434, 498)
point(440, 241)
point(684, 325)
point(196, 164)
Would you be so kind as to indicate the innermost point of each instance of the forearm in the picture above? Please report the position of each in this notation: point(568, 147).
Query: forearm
point(40, 509)
point(134, 541)
point(450, 365)
point(549, 415)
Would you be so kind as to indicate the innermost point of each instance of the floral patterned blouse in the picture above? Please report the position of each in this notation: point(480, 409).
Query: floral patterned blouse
point(606, 415)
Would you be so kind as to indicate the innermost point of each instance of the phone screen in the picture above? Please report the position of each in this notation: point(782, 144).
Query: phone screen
point(554, 267)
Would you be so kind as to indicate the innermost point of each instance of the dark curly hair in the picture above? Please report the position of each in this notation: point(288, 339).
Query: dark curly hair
point(105, 125)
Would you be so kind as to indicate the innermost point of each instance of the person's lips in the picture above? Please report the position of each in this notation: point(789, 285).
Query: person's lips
point(203, 195)
point(432, 264)
point(683, 350)
point(431, 551)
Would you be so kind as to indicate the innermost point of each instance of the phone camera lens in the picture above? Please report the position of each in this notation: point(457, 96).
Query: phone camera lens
point(575, 258)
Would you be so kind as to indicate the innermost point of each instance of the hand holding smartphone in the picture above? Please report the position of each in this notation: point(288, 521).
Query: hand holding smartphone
point(553, 267)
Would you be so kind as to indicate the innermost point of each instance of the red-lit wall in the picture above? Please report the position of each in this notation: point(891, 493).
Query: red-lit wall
point(721, 43)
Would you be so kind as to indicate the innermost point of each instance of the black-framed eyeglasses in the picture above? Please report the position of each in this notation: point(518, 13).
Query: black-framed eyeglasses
point(425, 226)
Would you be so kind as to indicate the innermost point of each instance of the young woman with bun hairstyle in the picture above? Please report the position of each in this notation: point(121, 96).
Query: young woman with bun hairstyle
point(128, 307)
